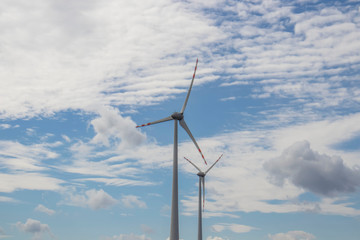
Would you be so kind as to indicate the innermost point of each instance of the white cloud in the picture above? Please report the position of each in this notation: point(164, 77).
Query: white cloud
point(215, 238)
point(42, 208)
point(292, 235)
point(117, 181)
point(28, 181)
point(109, 58)
point(36, 228)
point(112, 126)
point(228, 99)
point(246, 172)
point(131, 201)
point(7, 199)
point(318, 173)
point(94, 199)
point(5, 126)
point(236, 228)
point(21, 157)
point(128, 237)
point(299, 50)
point(66, 138)
point(99, 199)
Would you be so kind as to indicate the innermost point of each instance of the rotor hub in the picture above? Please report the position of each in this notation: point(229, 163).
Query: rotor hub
point(177, 116)
point(201, 174)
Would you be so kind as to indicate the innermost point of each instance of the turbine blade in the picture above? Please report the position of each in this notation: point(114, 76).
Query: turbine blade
point(193, 164)
point(213, 164)
point(154, 122)
point(188, 94)
point(203, 183)
point(185, 127)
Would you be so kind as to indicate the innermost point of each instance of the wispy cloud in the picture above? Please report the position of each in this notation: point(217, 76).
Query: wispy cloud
point(42, 208)
point(7, 199)
point(292, 235)
point(127, 237)
point(20, 157)
point(131, 201)
point(228, 99)
point(29, 181)
point(237, 228)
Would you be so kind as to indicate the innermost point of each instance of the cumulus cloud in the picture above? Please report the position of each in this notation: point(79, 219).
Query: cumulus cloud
point(112, 126)
point(42, 208)
point(99, 199)
point(292, 235)
point(318, 173)
point(36, 228)
point(94, 199)
point(132, 201)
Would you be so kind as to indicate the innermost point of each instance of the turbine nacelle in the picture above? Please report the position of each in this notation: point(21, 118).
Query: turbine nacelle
point(201, 174)
point(177, 116)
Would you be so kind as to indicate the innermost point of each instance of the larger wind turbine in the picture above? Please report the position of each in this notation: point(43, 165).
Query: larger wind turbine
point(201, 175)
point(177, 117)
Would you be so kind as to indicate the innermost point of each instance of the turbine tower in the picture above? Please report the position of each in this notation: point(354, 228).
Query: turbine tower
point(201, 175)
point(177, 117)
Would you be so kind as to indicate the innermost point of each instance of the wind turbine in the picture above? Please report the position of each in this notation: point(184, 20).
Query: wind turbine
point(177, 117)
point(201, 175)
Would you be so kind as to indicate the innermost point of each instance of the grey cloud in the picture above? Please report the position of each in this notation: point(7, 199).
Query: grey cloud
point(34, 227)
point(318, 173)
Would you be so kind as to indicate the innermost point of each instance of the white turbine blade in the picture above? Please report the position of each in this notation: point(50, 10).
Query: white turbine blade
point(154, 122)
point(213, 164)
point(188, 94)
point(203, 183)
point(193, 164)
point(185, 127)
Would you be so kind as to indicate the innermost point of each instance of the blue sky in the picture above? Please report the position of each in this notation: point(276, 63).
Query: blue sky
point(277, 92)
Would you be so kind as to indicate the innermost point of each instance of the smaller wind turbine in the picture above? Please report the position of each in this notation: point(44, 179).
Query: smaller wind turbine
point(201, 175)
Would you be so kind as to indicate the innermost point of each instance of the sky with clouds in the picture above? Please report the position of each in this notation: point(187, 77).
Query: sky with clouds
point(276, 91)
